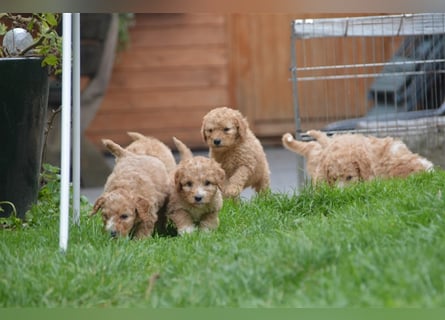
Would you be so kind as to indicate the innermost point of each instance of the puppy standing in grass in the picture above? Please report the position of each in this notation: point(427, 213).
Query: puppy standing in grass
point(196, 198)
point(235, 147)
point(134, 194)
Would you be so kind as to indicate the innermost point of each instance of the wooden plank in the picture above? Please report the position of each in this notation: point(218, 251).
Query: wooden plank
point(259, 64)
point(117, 99)
point(165, 57)
point(167, 78)
point(242, 79)
point(153, 20)
point(188, 35)
point(275, 95)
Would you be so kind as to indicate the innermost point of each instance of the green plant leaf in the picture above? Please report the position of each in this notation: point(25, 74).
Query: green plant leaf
point(50, 60)
point(12, 221)
point(51, 19)
point(30, 26)
point(3, 29)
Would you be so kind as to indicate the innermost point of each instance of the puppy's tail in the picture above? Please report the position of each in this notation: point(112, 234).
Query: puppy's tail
point(184, 152)
point(136, 135)
point(320, 136)
point(300, 147)
point(115, 149)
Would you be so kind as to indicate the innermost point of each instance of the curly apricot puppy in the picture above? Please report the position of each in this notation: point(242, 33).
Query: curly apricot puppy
point(152, 147)
point(387, 157)
point(346, 158)
point(235, 147)
point(196, 198)
point(134, 195)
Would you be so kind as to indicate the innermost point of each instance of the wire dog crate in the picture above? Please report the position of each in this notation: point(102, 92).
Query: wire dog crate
point(381, 75)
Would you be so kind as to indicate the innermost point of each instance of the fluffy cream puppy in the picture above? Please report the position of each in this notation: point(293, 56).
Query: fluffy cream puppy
point(196, 198)
point(346, 158)
point(235, 147)
point(135, 194)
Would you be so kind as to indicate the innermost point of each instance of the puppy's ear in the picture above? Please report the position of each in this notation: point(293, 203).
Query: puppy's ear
point(177, 179)
point(203, 133)
point(242, 126)
point(98, 204)
point(142, 207)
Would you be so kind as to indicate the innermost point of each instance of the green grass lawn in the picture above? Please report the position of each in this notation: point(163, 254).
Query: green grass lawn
point(377, 244)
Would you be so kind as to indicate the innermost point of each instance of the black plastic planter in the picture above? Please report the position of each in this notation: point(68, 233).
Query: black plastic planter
point(23, 104)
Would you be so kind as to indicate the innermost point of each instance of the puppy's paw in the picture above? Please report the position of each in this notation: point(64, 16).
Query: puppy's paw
point(232, 191)
point(207, 229)
point(186, 229)
point(208, 226)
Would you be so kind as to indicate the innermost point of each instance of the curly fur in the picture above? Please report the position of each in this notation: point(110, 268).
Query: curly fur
point(347, 158)
point(196, 198)
point(235, 147)
point(395, 159)
point(134, 195)
point(152, 147)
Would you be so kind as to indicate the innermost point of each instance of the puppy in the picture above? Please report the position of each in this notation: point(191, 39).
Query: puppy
point(152, 147)
point(196, 198)
point(383, 157)
point(134, 194)
point(346, 158)
point(235, 147)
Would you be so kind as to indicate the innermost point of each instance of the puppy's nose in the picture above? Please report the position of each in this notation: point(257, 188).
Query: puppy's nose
point(216, 142)
point(198, 198)
point(113, 234)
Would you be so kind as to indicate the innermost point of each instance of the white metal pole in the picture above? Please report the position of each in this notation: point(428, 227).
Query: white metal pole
point(76, 118)
point(66, 130)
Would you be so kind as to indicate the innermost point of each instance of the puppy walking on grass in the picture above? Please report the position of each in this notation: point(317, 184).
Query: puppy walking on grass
point(235, 147)
point(135, 194)
point(195, 199)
